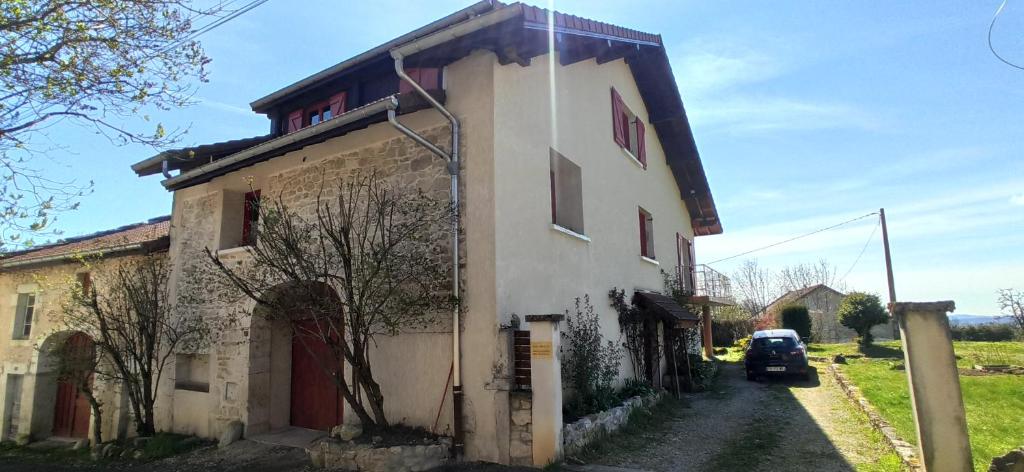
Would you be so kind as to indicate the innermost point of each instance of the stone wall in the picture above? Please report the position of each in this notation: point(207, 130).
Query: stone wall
point(348, 456)
point(590, 428)
point(521, 428)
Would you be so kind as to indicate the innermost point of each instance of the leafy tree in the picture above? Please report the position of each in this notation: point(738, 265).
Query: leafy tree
point(797, 318)
point(369, 262)
point(1012, 303)
point(96, 63)
point(132, 320)
point(860, 311)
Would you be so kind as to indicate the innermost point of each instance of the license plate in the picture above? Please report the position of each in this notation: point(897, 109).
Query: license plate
point(775, 369)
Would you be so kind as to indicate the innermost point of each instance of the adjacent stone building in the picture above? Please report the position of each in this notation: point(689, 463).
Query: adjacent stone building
point(33, 284)
point(822, 302)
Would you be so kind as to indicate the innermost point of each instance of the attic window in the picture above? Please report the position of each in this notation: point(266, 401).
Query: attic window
point(428, 77)
point(316, 113)
point(628, 130)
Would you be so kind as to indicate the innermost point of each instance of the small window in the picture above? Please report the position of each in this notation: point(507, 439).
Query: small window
point(428, 77)
point(84, 282)
point(566, 193)
point(24, 315)
point(646, 234)
point(251, 218)
point(628, 129)
point(192, 372)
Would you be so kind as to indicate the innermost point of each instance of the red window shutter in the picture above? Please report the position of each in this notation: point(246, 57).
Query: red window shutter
point(680, 250)
point(338, 104)
point(618, 113)
point(692, 263)
point(643, 234)
point(250, 216)
point(294, 121)
point(641, 149)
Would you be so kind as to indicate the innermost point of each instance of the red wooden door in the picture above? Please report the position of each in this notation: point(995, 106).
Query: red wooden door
point(316, 399)
point(71, 409)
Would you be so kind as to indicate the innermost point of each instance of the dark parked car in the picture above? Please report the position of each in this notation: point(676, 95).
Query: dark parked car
point(776, 352)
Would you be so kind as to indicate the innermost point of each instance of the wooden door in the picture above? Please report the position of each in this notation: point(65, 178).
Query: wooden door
point(71, 412)
point(316, 400)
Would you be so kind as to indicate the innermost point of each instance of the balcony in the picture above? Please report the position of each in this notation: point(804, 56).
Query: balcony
point(707, 286)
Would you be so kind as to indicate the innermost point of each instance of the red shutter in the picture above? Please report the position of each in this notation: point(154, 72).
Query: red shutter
point(618, 131)
point(294, 121)
point(427, 77)
point(554, 213)
point(338, 104)
point(643, 234)
point(641, 149)
point(680, 250)
point(692, 263)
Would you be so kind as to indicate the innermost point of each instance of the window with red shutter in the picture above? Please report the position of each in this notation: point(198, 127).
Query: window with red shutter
point(618, 126)
point(428, 77)
point(337, 104)
point(646, 234)
point(251, 218)
point(628, 130)
point(566, 193)
point(641, 149)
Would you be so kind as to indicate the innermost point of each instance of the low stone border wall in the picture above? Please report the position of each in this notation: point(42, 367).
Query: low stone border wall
point(343, 455)
point(906, 452)
point(576, 435)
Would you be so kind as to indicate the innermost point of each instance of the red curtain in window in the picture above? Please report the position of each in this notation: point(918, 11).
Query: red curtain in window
point(618, 113)
point(337, 103)
point(641, 149)
point(294, 121)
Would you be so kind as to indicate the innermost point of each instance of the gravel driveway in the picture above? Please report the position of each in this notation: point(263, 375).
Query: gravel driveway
point(766, 425)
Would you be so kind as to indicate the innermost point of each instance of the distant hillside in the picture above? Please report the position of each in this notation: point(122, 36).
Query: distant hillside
point(979, 319)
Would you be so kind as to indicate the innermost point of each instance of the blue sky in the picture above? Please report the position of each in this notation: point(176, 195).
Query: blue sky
point(805, 113)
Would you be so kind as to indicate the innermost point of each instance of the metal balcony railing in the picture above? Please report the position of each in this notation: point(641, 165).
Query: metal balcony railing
point(701, 280)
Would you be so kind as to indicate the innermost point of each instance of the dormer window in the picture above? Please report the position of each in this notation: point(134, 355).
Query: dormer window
point(316, 113)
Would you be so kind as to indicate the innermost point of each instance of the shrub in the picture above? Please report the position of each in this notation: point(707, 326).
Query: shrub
point(589, 363)
point(765, 321)
point(983, 332)
point(635, 388)
point(743, 343)
point(729, 324)
point(859, 312)
point(797, 318)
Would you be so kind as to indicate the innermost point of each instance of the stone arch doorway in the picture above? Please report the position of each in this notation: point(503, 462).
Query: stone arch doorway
point(59, 408)
point(293, 371)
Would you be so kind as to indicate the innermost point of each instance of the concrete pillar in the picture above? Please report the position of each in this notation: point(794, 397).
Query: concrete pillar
point(934, 385)
point(546, 383)
point(709, 348)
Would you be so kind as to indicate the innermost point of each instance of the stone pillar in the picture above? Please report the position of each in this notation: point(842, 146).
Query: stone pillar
point(934, 385)
point(546, 383)
point(709, 348)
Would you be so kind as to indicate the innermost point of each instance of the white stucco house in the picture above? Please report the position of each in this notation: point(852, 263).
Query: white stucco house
point(564, 142)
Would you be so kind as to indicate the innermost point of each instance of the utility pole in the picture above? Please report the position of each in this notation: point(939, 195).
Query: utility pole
point(888, 267)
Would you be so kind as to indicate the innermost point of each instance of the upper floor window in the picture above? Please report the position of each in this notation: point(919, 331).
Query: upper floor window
point(628, 130)
point(566, 193)
point(646, 234)
point(250, 218)
point(24, 315)
point(317, 113)
point(687, 268)
point(428, 77)
point(84, 282)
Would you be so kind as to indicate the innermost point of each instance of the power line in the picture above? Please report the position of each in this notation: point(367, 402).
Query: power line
point(214, 25)
point(793, 238)
point(990, 27)
point(865, 248)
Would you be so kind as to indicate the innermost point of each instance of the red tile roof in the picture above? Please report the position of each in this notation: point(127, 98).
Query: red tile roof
point(137, 234)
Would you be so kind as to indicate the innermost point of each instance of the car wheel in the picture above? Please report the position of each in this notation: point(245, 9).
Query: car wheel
point(805, 377)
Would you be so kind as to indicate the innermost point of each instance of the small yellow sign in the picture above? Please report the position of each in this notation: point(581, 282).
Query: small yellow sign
point(540, 350)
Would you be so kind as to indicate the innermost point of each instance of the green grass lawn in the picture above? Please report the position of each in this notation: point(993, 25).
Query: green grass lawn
point(994, 403)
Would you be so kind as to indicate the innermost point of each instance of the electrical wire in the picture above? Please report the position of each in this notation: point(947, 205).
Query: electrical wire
point(990, 47)
point(215, 24)
point(793, 238)
point(865, 248)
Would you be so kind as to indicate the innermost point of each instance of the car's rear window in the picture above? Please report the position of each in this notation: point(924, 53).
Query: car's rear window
point(768, 343)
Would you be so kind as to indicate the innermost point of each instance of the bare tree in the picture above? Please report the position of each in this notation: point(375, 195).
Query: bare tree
point(133, 322)
point(755, 286)
point(1011, 301)
point(94, 63)
point(805, 275)
point(370, 261)
point(77, 363)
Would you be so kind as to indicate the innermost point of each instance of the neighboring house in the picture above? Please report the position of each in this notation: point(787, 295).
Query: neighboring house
point(822, 302)
point(578, 173)
point(33, 283)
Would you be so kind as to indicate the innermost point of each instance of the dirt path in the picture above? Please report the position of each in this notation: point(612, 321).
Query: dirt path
point(766, 425)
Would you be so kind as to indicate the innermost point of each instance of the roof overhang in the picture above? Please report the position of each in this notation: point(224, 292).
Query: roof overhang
point(666, 309)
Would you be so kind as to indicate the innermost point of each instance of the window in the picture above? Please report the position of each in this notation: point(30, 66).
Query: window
point(251, 218)
point(192, 372)
point(566, 193)
point(628, 130)
point(23, 315)
point(84, 282)
point(428, 77)
point(646, 234)
point(316, 113)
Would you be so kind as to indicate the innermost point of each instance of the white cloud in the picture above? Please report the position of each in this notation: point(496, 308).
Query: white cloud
point(705, 67)
point(1017, 200)
point(226, 107)
point(749, 113)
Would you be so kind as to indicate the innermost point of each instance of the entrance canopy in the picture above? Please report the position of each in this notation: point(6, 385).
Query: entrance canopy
point(666, 308)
